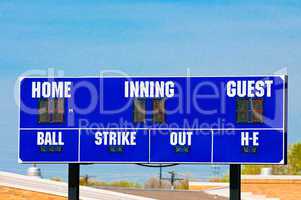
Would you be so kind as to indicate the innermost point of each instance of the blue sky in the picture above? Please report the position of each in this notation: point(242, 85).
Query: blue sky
point(148, 37)
point(210, 38)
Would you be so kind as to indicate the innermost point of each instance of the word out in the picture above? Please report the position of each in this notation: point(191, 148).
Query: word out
point(181, 138)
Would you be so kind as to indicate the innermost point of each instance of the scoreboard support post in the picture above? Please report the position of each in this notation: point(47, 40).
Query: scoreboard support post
point(73, 181)
point(235, 182)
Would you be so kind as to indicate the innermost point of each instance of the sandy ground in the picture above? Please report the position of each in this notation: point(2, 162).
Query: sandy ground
point(9, 193)
point(168, 195)
point(282, 191)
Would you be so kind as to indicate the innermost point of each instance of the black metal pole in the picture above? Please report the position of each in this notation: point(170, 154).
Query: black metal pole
point(235, 180)
point(160, 176)
point(73, 181)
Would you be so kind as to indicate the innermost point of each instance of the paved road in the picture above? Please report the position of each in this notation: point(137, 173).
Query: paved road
point(167, 194)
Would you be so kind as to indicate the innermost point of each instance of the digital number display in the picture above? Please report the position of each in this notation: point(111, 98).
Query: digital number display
point(51, 110)
point(44, 116)
point(139, 110)
point(159, 111)
point(249, 110)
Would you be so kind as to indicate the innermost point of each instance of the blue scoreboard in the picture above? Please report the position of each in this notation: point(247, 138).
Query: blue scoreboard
point(217, 120)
